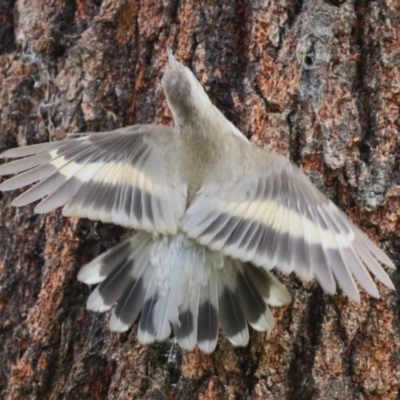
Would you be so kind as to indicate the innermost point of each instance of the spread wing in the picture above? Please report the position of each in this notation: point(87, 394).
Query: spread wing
point(121, 176)
point(273, 216)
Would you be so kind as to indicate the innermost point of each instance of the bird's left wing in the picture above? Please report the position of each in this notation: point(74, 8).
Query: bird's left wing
point(271, 215)
point(128, 176)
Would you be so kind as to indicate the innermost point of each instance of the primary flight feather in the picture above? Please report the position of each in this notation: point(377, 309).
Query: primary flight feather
point(215, 215)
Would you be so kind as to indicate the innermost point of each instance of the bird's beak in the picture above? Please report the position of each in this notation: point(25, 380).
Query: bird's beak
point(171, 58)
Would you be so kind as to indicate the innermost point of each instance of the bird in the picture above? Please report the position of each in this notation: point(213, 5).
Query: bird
point(213, 214)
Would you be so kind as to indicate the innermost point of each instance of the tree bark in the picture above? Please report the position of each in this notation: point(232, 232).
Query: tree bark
point(317, 81)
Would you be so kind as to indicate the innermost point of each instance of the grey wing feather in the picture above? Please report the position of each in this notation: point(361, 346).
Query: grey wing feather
point(271, 215)
point(129, 176)
point(29, 150)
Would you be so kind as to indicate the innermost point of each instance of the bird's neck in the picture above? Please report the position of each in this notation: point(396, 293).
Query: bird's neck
point(206, 123)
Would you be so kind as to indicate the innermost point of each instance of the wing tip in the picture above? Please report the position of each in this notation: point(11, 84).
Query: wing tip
point(373, 291)
point(389, 263)
point(389, 283)
point(19, 202)
point(9, 153)
point(40, 209)
point(5, 186)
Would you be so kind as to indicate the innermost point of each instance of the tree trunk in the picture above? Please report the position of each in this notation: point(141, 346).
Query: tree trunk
point(317, 81)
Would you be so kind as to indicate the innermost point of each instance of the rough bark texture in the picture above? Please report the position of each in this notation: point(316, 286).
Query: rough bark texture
point(317, 81)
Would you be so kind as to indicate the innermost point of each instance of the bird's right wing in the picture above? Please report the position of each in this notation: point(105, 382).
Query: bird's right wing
point(128, 176)
point(271, 215)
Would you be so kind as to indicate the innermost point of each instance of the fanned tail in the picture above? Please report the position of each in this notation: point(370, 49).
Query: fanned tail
point(176, 284)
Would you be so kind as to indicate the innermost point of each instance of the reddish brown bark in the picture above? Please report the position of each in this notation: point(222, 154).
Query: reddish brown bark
point(318, 81)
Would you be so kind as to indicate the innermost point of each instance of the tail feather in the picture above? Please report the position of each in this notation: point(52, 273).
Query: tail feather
point(147, 330)
point(179, 285)
point(165, 314)
point(207, 330)
point(231, 315)
point(98, 269)
point(111, 289)
point(129, 306)
point(270, 289)
point(186, 328)
point(254, 307)
point(372, 264)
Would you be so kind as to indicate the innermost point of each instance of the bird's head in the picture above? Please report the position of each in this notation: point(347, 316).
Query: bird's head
point(185, 95)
